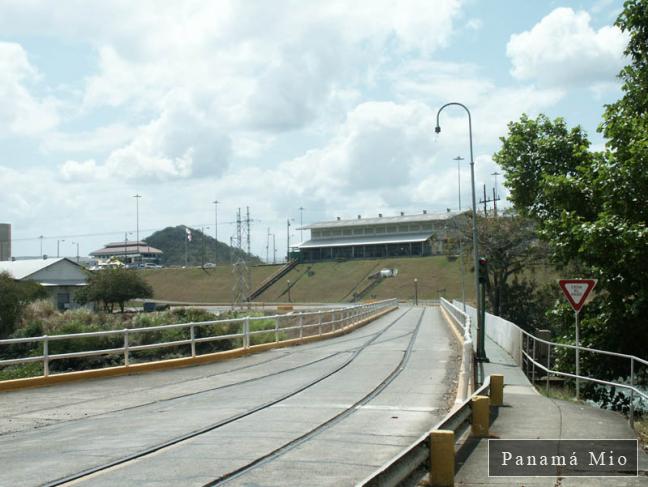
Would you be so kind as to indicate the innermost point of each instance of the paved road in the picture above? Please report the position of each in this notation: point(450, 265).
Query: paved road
point(327, 413)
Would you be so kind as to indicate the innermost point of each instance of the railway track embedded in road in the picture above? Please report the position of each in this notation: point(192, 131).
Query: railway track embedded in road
point(273, 455)
point(133, 457)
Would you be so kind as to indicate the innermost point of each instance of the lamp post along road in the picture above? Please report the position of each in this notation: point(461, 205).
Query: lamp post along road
point(461, 256)
point(481, 353)
point(137, 198)
point(215, 231)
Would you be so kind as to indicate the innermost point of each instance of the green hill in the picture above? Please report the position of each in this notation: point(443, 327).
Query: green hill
point(201, 249)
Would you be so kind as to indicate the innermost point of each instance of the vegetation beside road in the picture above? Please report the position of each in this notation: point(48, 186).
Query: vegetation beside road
point(42, 318)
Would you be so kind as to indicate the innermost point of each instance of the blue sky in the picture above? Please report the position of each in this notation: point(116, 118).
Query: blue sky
point(274, 105)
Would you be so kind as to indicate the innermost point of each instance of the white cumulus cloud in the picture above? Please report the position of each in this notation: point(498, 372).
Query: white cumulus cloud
point(564, 49)
point(22, 113)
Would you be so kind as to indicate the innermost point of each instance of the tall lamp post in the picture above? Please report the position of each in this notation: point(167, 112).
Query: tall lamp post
point(137, 198)
point(481, 352)
point(58, 247)
point(216, 230)
point(461, 256)
point(77, 250)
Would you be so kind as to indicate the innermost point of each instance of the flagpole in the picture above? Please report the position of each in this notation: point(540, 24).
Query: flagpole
point(186, 246)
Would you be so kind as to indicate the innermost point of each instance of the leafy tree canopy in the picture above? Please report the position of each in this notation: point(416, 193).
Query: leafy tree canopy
point(112, 287)
point(14, 296)
point(590, 206)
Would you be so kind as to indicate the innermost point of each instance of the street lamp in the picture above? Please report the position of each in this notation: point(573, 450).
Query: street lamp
point(481, 352)
point(77, 250)
point(461, 256)
point(137, 197)
point(58, 246)
point(416, 291)
point(216, 230)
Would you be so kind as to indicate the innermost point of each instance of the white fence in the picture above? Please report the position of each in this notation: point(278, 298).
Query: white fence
point(285, 326)
point(463, 321)
point(531, 353)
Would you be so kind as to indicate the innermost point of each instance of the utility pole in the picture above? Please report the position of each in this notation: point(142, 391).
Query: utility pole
point(215, 231)
point(301, 223)
point(486, 200)
point(274, 250)
point(58, 244)
point(137, 198)
point(268, 247)
point(495, 193)
point(287, 240)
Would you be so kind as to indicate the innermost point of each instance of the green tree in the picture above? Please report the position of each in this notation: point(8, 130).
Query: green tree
point(590, 206)
point(14, 296)
point(511, 245)
point(112, 287)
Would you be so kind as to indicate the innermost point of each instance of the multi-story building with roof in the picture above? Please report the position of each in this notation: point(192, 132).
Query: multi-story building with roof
point(394, 236)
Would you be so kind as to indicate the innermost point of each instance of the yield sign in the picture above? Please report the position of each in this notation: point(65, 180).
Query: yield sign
point(577, 290)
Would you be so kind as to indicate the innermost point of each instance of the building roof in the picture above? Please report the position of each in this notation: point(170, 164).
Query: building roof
point(131, 248)
point(21, 269)
point(385, 220)
point(373, 240)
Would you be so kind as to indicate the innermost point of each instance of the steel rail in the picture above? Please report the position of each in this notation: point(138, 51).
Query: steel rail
point(188, 436)
point(417, 456)
point(276, 453)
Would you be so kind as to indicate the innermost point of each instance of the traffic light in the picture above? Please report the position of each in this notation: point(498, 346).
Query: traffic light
point(483, 270)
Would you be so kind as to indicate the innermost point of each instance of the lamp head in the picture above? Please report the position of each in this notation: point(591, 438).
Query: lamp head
point(437, 129)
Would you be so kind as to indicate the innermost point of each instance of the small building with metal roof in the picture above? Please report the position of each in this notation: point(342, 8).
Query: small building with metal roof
point(128, 252)
point(404, 235)
point(61, 277)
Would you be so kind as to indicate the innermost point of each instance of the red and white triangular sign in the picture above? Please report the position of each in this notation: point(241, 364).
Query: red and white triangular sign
point(577, 290)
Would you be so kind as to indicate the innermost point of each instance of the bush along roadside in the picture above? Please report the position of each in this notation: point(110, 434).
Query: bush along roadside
point(41, 318)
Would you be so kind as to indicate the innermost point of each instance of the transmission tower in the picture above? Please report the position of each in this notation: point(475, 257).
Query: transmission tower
point(239, 265)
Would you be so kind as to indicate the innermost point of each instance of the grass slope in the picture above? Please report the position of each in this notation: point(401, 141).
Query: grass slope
point(319, 282)
point(198, 285)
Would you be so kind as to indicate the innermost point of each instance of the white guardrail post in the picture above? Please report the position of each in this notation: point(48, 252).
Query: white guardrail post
point(301, 325)
point(126, 354)
point(246, 332)
point(45, 356)
point(192, 336)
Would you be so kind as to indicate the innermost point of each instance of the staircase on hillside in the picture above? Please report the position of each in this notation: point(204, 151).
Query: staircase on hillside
point(271, 280)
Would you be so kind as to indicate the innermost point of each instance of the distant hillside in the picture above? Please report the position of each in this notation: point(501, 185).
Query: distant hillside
point(200, 250)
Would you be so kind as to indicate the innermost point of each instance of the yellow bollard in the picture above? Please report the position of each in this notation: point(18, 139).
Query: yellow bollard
point(480, 406)
point(497, 390)
point(442, 458)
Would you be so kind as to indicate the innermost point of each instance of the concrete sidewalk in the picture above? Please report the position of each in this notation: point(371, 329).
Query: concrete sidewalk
point(529, 415)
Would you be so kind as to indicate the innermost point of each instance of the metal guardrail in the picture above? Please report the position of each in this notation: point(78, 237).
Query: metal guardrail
point(414, 462)
point(338, 318)
point(531, 351)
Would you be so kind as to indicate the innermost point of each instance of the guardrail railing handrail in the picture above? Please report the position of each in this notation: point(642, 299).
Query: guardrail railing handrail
point(417, 455)
point(585, 349)
point(467, 356)
point(339, 318)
